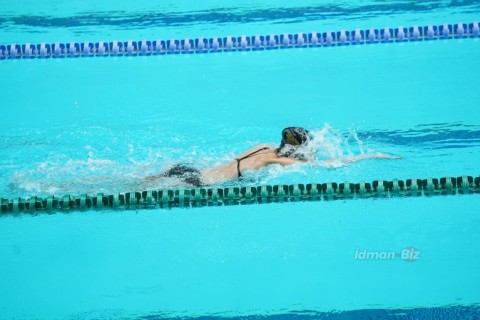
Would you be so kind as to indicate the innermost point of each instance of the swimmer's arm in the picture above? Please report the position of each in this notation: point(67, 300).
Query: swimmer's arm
point(284, 161)
point(352, 159)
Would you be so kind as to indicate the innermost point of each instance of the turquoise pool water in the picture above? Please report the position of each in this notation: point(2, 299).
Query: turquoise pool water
point(102, 124)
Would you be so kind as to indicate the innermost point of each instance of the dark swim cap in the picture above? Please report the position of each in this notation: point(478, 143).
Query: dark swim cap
point(295, 136)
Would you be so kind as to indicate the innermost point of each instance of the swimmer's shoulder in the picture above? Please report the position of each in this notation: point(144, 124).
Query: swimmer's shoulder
point(264, 146)
point(266, 149)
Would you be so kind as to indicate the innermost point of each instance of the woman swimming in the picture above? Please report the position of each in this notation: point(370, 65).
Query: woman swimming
point(289, 152)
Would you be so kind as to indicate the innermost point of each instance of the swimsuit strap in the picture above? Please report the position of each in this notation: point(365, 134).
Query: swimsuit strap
point(248, 156)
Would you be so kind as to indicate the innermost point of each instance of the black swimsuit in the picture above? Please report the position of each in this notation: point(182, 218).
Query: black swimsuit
point(187, 174)
point(248, 156)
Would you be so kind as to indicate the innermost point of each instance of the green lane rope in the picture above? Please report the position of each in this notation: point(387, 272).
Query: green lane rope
point(200, 197)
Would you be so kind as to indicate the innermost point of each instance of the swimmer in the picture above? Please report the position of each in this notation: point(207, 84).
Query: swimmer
point(289, 152)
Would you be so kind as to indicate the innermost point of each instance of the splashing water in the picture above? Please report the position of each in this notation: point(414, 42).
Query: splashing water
point(328, 149)
point(329, 143)
point(61, 175)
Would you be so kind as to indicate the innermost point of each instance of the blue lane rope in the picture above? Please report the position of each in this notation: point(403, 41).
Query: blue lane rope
point(239, 43)
point(200, 197)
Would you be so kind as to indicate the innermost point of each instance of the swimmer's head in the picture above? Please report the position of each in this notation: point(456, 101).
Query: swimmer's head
point(295, 136)
point(292, 139)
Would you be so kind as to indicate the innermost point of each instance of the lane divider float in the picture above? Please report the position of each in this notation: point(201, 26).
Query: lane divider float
point(214, 196)
point(46, 50)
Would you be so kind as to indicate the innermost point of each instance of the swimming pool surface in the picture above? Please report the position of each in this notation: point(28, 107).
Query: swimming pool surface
point(90, 125)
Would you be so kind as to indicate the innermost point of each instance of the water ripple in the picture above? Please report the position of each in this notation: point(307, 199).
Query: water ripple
point(443, 136)
point(230, 15)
